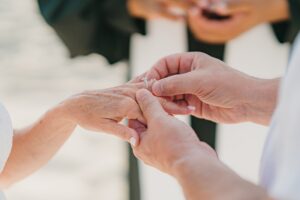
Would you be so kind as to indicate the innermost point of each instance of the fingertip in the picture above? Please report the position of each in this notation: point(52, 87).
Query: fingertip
point(133, 141)
point(156, 88)
point(133, 138)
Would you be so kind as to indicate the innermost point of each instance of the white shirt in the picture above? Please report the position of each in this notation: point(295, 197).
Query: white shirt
point(280, 167)
point(6, 134)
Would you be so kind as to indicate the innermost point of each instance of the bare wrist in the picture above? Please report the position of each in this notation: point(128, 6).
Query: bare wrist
point(262, 100)
point(62, 112)
point(204, 177)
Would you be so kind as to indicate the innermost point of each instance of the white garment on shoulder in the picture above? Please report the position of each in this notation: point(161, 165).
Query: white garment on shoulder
point(280, 167)
point(6, 135)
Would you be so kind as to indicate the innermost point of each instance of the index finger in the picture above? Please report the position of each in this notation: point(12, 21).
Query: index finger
point(171, 65)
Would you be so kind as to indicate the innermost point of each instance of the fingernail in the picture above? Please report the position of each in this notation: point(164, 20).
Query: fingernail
point(191, 108)
point(132, 141)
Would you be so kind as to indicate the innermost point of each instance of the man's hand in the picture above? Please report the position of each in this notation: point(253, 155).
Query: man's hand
point(241, 15)
point(216, 91)
point(164, 139)
point(152, 9)
point(173, 147)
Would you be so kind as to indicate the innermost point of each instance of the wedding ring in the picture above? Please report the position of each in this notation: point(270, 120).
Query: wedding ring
point(146, 82)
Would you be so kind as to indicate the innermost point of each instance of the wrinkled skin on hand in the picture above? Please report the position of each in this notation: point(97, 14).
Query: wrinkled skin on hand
point(103, 110)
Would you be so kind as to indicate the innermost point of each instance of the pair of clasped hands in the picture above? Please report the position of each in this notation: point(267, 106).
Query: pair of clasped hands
point(187, 84)
point(213, 21)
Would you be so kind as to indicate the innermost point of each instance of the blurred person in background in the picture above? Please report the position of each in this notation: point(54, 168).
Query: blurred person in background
point(24, 151)
point(106, 27)
point(172, 147)
point(242, 15)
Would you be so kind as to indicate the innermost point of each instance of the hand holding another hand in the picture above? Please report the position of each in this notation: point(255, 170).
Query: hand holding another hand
point(165, 140)
point(218, 92)
point(103, 110)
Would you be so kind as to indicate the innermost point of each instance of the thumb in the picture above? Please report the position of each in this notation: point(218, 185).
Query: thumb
point(175, 85)
point(149, 105)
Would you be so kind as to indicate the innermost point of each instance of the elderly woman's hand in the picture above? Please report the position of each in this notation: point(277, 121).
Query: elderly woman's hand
point(100, 110)
point(103, 110)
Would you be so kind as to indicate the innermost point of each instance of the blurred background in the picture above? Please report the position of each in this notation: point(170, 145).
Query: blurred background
point(36, 73)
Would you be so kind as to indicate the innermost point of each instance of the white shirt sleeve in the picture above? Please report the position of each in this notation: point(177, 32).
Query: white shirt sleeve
point(6, 136)
point(280, 172)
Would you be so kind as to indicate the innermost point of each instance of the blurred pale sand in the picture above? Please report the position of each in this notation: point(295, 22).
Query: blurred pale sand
point(35, 74)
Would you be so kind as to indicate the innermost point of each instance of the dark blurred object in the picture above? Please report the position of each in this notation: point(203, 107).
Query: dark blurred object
point(287, 31)
point(92, 26)
point(105, 26)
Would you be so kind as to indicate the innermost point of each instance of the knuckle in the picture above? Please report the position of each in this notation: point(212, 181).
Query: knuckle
point(134, 112)
point(145, 100)
point(127, 102)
